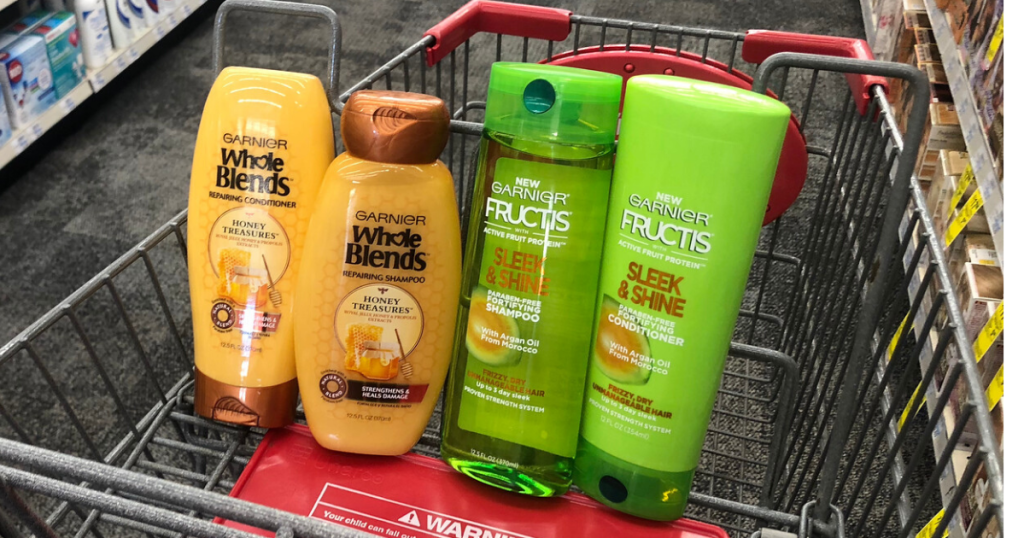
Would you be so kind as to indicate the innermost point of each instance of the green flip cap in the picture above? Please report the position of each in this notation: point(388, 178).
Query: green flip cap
point(563, 105)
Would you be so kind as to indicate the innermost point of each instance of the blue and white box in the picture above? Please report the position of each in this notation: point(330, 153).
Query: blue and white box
point(26, 78)
point(5, 123)
point(66, 62)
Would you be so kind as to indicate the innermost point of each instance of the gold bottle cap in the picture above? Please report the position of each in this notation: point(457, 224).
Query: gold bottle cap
point(394, 127)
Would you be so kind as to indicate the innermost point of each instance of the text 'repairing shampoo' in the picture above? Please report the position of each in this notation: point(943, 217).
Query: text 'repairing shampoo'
point(693, 172)
point(535, 233)
point(379, 283)
point(264, 142)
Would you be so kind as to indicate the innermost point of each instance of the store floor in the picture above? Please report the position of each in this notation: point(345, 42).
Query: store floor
point(120, 168)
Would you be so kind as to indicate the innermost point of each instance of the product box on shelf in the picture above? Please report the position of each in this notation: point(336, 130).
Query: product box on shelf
point(927, 53)
point(912, 14)
point(936, 75)
point(977, 248)
point(976, 500)
point(983, 69)
point(977, 222)
point(992, 38)
point(939, 91)
point(989, 99)
point(982, 20)
point(980, 290)
point(916, 19)
point(949, 358)
point(25, 24)
point(944, 182)
point(26, 78)
point(5, 123)
point(942, 131)
point(956, 16)
point(987, 87)
point(974, 248)
point(953, 163)
point(927, 59)
point(66, 63)
point(923, 36)
point(980, 249)
point(988, 366)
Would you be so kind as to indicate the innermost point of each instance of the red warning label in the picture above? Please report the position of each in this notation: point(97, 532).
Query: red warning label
point(412, 496)
point(394, 519)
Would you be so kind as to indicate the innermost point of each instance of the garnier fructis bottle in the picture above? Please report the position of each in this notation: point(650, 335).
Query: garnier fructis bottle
point(534, 241)
point(264, 142)
point(379, 285)
point(693, 172)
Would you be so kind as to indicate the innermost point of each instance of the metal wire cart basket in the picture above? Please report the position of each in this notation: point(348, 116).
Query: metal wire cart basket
point(807, 435)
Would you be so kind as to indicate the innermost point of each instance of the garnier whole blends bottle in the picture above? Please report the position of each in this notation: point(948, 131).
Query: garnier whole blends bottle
point(526, 308)
point(379, 284)
point(264, 142)
point(693, 171)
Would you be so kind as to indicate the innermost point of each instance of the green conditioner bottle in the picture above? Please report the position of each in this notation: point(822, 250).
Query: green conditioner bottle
point(536, 229)
point(693, 172)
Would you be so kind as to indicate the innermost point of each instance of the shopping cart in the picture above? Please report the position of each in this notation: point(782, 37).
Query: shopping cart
point(805, 436)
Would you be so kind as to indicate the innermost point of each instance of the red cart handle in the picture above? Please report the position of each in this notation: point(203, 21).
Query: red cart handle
point(758, 45)
point(497, 18)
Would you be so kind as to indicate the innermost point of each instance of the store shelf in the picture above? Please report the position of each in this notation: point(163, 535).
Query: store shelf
point(970, 123)
point(127, 56)
point(954, 470)
point(24, 138)
point(95, 81)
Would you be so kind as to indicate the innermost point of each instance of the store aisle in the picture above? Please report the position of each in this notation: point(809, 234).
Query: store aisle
point(121, 167)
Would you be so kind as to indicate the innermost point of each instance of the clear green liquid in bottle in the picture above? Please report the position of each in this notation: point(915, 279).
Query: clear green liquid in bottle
point(514, 394)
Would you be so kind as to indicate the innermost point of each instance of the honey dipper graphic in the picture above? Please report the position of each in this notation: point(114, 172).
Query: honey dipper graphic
point(275, 296)
point(404, 364)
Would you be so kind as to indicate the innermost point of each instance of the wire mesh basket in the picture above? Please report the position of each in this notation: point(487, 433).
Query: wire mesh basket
point(98, 437)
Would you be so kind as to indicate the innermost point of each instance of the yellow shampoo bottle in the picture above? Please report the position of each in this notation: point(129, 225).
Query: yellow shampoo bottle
point(379, 285)
point(264, 142)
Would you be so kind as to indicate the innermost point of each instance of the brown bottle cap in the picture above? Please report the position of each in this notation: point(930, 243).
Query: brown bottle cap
point(394, 127)
point(263, 407)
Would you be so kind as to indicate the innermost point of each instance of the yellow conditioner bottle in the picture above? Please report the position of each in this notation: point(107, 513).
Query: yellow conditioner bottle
point(378, 288)
point(264, 142)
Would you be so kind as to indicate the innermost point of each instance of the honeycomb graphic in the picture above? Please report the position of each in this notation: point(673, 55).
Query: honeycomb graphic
point(356, 335)
point(230, 258)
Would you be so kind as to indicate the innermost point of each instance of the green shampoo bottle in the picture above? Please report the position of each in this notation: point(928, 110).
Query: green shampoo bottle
point(536, 229)
point(693, 173)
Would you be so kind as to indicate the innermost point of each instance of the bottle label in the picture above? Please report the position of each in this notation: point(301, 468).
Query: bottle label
point(99, 32)
point(530, 313)
point(376, 303)
point(249, 249)
point(121, 6)
point(378, 327)
point(662, 326)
